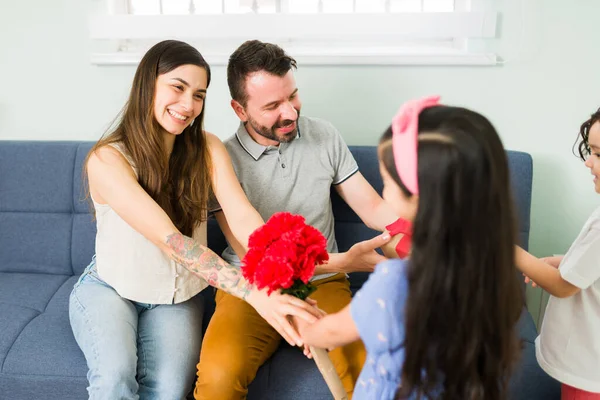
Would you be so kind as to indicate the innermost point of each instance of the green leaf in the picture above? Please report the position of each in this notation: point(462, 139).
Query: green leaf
point(300, 289)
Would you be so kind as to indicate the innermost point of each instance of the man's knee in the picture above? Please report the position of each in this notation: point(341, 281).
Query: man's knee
point(223, 371)
point(221, 379)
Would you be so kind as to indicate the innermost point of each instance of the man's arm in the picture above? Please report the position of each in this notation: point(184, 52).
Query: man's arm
point(358, 193)
point(361, 257)
point(237, 247)
point(243, 217)
point(366, 202)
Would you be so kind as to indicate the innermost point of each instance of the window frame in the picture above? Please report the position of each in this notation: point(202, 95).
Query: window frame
point(421, 38)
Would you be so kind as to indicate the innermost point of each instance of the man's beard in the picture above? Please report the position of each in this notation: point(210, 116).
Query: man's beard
point(269, 133)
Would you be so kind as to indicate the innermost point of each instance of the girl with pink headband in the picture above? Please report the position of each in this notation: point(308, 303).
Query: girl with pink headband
point(442, 323)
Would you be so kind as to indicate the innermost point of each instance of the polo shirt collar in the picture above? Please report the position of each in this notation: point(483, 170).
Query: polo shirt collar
point(255, 149)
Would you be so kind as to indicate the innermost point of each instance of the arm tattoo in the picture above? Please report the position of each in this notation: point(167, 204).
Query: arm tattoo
point(204, 263)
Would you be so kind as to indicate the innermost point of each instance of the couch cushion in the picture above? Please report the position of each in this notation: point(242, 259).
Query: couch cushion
point(289, 375)
point(83, 242)
point(40, 178)
point(45, 221)
point(526, 327)
point(35, 242)
point(529, 381)
point(46, 346)
point(521, 176)
point(30, 387)
point(14, 319)
point(346, 234)
point(28, 290)
point(80, 199)
point(84, 225)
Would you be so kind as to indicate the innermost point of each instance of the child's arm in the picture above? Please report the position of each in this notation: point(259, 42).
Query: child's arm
point(554, 260)
point(545, 275)
point(389, 248)
point(331, 331)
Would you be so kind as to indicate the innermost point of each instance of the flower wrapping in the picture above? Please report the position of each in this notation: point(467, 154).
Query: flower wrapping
point(404, 227)
point(282, 255)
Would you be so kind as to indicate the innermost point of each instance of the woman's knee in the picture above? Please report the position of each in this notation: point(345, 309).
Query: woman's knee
point(113, 379)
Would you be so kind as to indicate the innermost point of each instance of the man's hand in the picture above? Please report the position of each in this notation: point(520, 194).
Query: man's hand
point(363, 257)
point(276, 308)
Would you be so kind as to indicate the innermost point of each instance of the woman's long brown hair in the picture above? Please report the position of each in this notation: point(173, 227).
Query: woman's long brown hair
point(465, 298)
point(182, 183)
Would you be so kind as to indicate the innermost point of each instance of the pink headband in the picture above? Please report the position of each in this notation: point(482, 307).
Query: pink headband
point(405, 128)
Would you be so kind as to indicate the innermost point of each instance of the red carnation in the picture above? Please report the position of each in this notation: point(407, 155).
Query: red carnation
point(282, 254)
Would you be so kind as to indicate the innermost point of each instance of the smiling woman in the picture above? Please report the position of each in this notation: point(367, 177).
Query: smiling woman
point(132, 311)
point(180, 97)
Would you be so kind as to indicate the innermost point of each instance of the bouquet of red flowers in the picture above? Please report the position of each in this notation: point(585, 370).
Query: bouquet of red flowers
point(282, 255)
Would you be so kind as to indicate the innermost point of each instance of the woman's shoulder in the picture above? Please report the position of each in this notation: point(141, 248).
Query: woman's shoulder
point(214, 143)
point(109, 156)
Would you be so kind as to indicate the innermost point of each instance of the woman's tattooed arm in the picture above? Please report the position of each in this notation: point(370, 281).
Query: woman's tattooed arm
point(203, 262)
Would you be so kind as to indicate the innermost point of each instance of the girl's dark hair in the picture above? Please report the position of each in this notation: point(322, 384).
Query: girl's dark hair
point(181, 184)
point(464, 297)
point(582, 142)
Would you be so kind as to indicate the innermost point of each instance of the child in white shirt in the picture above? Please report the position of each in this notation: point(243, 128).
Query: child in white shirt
point(568, 347)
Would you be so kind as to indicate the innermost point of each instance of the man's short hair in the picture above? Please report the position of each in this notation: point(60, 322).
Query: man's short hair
point(253, 56)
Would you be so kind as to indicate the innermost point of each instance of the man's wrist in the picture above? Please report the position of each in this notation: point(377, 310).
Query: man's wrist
point(340, 262)
point(336, 263)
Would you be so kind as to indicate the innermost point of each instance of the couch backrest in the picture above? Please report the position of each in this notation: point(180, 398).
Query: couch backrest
point(46, 225)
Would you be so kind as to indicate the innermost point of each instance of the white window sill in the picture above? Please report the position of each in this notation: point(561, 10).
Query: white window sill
point(423, 59)
point(323, 39)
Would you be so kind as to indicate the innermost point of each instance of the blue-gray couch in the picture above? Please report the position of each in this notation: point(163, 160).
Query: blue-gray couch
point(47, 238)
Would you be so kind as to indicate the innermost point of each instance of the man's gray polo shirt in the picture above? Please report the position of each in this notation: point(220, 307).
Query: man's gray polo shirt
point(295, 177)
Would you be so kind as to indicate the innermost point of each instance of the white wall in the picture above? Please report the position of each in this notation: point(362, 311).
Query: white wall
point(537, 99)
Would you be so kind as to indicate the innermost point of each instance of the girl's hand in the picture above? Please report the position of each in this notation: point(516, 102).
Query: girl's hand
point(528, 279)
point(553, 261)
point(301, 325)
point(331, 331)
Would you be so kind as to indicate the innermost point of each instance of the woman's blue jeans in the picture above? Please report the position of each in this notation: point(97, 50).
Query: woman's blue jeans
point(134, 350)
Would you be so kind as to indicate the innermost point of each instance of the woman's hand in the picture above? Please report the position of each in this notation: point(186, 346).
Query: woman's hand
point(275, 309)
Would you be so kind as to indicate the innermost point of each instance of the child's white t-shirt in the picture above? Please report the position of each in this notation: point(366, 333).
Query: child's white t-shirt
point(568, 347)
